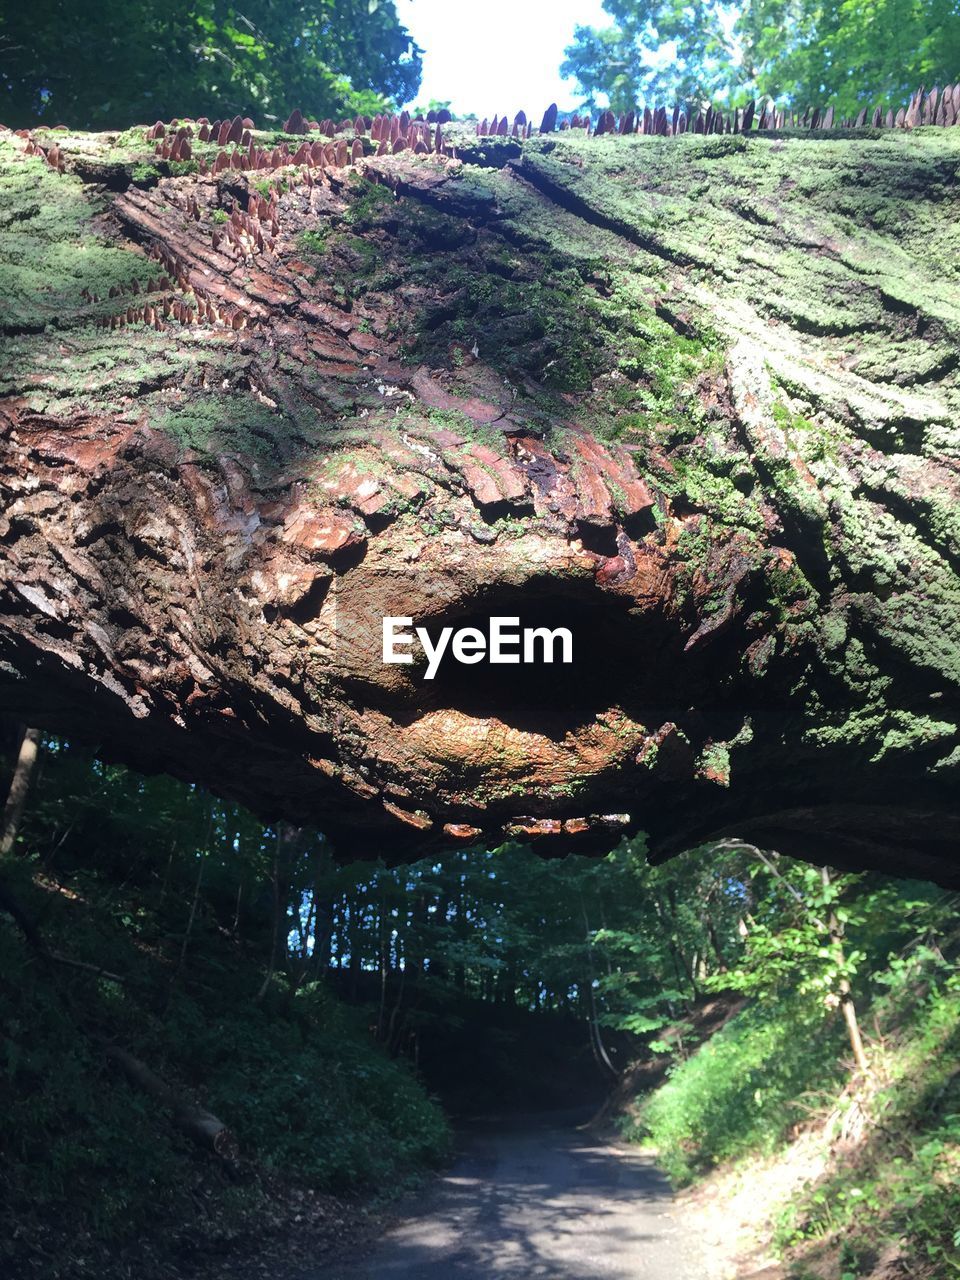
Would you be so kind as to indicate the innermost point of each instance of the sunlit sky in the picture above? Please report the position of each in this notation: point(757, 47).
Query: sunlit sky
point(497, 56)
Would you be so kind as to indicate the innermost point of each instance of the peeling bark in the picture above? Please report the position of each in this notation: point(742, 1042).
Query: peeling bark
point(695, 398)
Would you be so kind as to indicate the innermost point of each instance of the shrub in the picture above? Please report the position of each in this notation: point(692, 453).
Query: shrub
point(741, 1091)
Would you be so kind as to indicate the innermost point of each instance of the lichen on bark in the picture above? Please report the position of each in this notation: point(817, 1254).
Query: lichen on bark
point(697, 395)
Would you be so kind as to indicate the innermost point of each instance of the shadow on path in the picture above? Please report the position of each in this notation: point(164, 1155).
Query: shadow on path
point(542, 1201)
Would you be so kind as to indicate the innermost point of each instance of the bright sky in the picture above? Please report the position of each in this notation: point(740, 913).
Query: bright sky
point(497, 56)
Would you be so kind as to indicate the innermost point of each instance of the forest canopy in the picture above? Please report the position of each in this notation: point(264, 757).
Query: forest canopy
point(799, 53)
point(116, 63)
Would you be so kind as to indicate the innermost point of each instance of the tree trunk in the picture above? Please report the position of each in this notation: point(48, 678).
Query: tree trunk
point(847, 1005)
point(198, 1124)
point(593, 1014)
point(356, 945)
point(694, 399)
point(322, 911)
point(23, 771)
point(202, 854)
point(715, 943)
point(286, 846)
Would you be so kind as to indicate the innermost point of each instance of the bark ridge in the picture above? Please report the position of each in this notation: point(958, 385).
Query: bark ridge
point(697, 394)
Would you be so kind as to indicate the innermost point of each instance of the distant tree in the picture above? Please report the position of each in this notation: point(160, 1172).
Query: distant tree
point(620, 63)
point(432, 104)
point(120, 62)
point(796, 51)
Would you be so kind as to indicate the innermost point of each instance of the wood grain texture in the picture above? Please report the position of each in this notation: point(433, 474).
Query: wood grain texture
point(697, 394)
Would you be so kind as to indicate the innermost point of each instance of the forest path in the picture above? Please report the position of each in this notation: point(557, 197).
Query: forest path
point(542, 1201)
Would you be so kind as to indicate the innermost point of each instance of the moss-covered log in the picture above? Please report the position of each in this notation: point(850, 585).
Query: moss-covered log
point(695, 398)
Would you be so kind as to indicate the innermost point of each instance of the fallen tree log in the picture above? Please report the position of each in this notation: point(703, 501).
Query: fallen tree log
point(694, 399)
point(200, 1125)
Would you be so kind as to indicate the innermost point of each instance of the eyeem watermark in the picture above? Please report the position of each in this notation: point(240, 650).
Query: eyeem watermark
point(506, 643)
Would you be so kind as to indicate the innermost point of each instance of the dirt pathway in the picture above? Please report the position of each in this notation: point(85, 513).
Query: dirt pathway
point(544, 1202)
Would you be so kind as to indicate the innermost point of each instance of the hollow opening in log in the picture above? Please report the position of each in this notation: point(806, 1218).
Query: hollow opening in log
point(554, 697)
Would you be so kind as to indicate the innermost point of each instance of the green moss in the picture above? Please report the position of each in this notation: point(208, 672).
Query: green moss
point(145, 175)
point(133, 137)
point(833, 628)
point(51, 253)
point(214, 424)
point(714, 763)
point(824, 207)
point(620, 307)
point(312, 241)
point(368, 204)
point(909, 732)
point(707, 484)
point(485, 152)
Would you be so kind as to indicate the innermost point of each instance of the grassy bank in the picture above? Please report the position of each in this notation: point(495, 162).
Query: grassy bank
point(838, 1174)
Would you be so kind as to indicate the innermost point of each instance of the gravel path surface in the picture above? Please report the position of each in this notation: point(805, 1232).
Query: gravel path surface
point(545, 1202)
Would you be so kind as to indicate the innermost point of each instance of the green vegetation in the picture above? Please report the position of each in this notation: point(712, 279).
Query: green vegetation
point(312, 242)
point(289, 996)
point(852, 55)
point(216, 424)
point(901, 1182)
point(317, 1009)
point(117, 63)
point(164, 945)
point(882, 954)
point(52, 255)
point(145, 174)
point(735, 1095)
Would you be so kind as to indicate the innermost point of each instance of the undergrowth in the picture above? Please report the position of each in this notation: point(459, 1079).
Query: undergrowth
point(92, 1168)
point(742, 1091)
point(898, 1186)
point(889, 1193)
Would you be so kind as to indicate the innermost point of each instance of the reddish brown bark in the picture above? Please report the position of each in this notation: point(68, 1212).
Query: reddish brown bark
point(559, 383)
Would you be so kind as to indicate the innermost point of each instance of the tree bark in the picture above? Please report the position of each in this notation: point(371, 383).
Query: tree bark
point(198, 1124)
point(693, 398)
point(23, 771)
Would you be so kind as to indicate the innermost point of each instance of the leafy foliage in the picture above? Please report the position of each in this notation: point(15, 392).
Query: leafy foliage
point(781, 1064)
point(113, 64)
point(852, 54)
point(173, 917)
point(901, 1184)
point(789, 948)
point(741, 1091)
point(284, 992)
